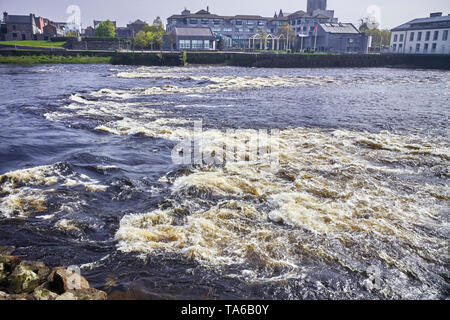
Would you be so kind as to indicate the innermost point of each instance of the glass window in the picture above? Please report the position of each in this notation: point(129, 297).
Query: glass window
point(445, 35)
point(419, 36)
point(193, 21)
point(227, 29)
point(239, 22)
point(216, 29)
point(216, 21)
point(395, 38)
point(401, 37)
point(436, 35)
point(205, 21)
point(185, 44)
point(418, 47)
point(197, 44)
point(206, 44)
point(425, 48)
point(427, 36)
point(411, 36)
point(394, 47)
point(250, 22)
point(433, 47)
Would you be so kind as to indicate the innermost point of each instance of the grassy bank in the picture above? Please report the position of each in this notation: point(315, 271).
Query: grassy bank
point(35, 43)
point(53, 59)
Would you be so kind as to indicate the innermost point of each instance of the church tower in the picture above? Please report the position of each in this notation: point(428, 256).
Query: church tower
point(315, 5)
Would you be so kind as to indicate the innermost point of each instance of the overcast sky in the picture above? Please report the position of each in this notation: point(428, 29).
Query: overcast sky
point(391, 12)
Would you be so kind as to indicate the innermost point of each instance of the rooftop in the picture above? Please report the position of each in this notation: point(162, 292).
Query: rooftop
point(195, 32)
point(339, 28)
point(436, 20)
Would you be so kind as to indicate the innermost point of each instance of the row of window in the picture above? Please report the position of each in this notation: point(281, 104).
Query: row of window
point(302, 29)
point(195, 44)
point(418, 47)
point(412, 36)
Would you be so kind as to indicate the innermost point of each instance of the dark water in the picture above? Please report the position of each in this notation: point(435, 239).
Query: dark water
point(361, 192)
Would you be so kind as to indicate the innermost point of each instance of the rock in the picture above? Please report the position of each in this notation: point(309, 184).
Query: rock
point(43, 293)
point(7, 250)
point(23, 280)
point(66, 296)
point(22, 296)
point(4, 296)
point(3, 275)
point(83, 294)
point(62, 280)
point(8, 260)
point(37, 267)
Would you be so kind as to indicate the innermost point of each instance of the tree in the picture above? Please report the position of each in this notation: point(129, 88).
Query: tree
point(263, 38)
point(141, 40)
point(105, 29)
point(283, 30)
point(154, 33)
point(378, 36)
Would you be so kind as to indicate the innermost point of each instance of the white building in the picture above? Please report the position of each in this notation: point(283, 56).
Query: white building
point(422, 36)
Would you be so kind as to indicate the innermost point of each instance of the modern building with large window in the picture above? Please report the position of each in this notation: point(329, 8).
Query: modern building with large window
point(240, 28)
point(422, 36)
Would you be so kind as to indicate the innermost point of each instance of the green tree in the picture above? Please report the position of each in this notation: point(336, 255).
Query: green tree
point(154, 33)
point(141, 40)
point(286, 30)
point(263, 38)
point(378, 36)
point(105, 29)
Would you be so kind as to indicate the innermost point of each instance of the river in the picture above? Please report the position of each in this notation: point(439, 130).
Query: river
point(354, 203)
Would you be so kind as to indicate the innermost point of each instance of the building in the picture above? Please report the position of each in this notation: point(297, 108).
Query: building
point(135, 27)
point(181, 38)
point(337, 38)
point(20, 27)
point(88, 32)
point(240, 29)
point(422, 36)
point(52, 30)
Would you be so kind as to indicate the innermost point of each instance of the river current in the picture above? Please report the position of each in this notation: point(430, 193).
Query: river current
point(356, 207)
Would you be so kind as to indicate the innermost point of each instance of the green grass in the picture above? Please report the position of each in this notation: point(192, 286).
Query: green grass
point(35, 43)
point(53, 59)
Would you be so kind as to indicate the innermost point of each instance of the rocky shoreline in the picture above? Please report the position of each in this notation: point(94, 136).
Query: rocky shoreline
point(33, 280)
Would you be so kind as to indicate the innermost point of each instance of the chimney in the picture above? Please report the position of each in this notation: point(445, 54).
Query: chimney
point(435, 14)
point(207, 9)
point(5, 16)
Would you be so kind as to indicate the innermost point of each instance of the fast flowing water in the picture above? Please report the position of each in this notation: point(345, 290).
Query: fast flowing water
point(356, 207)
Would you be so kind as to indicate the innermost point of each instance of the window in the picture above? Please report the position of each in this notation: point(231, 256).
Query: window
point(419, 36)
point(411, 36)
point(216, 22)
point(395, 38)
point(418, 47)
point(216, 29)
point(227, 29)
point(400, 47)
point(410, 48)
point(206, 44)
point(250, 22)
point(433, 47)
point(436, 35)
point(193, 21)
point(425, 48)
point(14, 27)
point(427, 36)
point(185, 44)
point(14, 35)
point(261, 23)
point(394, 47)
point(205, 21)
point(239, 22)
point(23, 36)
point(401, 37)
point(197, 44)
point(445, 35)
point(239, 30)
